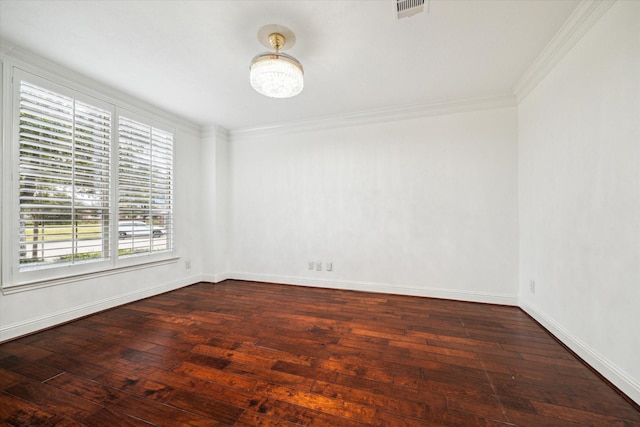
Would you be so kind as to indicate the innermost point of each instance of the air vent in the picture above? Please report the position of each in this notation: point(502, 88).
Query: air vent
point(406, 8)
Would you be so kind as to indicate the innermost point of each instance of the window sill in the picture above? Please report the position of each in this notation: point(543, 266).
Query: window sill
point(29, 286)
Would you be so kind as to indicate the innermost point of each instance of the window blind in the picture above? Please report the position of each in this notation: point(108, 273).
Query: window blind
point(64, 179)
point(145, 187)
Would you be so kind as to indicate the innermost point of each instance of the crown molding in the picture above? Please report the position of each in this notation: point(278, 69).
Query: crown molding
point(219, 133)
point(586, 14)
point(435, 108)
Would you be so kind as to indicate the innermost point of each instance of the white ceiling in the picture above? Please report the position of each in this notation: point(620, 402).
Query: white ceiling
point(191, 58)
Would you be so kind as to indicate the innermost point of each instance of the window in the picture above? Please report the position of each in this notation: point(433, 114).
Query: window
point(64, 178)
point(145, 182)
point(94, 188)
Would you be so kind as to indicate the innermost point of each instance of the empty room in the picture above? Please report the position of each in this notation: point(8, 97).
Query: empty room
point(320, 213)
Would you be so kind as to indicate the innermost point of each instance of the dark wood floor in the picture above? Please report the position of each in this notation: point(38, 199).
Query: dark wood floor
point(250, 354)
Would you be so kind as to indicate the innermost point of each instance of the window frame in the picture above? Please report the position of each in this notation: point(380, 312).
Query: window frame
point(13, 277)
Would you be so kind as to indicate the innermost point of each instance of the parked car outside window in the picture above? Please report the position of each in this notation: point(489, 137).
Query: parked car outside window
point(137, 228)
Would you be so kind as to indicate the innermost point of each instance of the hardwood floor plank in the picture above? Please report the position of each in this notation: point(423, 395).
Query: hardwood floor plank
point(215, 375)
point(29, 369)
point(8, 379)
point(80, 367)
point(271, 376)
point(353, 366)
point(434, 418)
point(257, 419)
point(207, 406)
point(23, 351)
point(107, 418)
point(305, 416)
point(54, 400)
point(416, 407)
point(275, 354)
point(89, 389)
point(233, 396)
point(255, 354)
point(159, 413)
point(316, 372)
point(318, 402)
point(427, 396)
point(232, 355)
point(18, 412)
point(137, 385)
point(579, 416)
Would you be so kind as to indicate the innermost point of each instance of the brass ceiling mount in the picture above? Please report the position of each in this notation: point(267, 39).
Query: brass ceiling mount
point(267, 32)
point(277, 41)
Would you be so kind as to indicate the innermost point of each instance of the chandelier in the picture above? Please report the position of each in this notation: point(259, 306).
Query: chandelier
point(276, 74)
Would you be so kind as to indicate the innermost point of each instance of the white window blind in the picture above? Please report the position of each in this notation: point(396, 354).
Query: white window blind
point(145, 188)
point(64, 179)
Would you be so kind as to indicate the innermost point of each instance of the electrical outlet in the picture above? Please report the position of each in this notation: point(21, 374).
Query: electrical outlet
point(311, 265)
point(532, 286)
point(318, 265)
point(187, 264)
point(329, 266)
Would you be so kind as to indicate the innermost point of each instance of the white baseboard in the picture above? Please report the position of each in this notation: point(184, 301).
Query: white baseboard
point(19, 329)
point(215, 278)
point(459, 295)
point(611, 372)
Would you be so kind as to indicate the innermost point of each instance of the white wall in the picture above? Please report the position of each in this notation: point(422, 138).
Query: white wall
point(214, 194)
point(426, 206)
point(579, 174)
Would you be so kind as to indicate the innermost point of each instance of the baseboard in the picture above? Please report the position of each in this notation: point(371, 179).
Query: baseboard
point(15, 330)
point(604, 367)
point(215, 278)
point(459, 295)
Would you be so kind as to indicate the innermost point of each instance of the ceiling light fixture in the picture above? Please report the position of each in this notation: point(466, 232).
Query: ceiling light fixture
point(276, 74)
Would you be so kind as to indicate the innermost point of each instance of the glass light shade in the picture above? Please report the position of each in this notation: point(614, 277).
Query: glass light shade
point(276, 75)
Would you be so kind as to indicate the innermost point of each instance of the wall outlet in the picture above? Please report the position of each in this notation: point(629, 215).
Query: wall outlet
point(318, 265)
point(329, 266)
point(187, 264)
point(532, 286)
point(311, 265)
